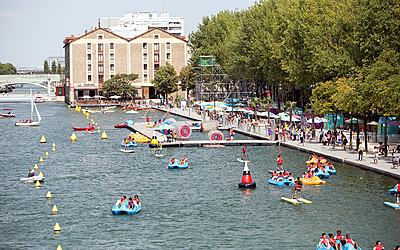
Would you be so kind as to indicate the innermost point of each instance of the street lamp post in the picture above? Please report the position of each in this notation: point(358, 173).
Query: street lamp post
point(187, 86)
point(312, 113)
point(280, 90)
point(166, 94)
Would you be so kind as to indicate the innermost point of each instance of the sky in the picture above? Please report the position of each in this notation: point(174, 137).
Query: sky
point(31, 31)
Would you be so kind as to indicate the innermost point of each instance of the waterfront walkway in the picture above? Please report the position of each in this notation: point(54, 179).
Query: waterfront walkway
point(349, 157)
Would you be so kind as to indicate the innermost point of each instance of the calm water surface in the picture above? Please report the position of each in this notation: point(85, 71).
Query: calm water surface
point(197, 208)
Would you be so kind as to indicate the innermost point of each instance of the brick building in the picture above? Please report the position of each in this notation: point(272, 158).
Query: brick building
point(100, 54)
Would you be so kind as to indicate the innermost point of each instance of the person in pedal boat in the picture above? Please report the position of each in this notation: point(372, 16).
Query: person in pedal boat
point(339, 235)
point(349, 240)
point(397, 194)
point(172, 161)
point(297, 188)
point(131, 203)
point(31, 173)
point(136, 199)
point(323, 240)
point(378, 245)
point(333, 243)
point(244, 151)
point(123, 199)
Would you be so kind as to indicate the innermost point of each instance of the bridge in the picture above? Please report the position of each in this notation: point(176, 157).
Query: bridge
point(41, 80)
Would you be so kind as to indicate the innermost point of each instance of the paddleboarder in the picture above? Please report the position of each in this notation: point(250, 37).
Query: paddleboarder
point(244, 151)
point(159, 148)
point(297, 188)
point(279, 163)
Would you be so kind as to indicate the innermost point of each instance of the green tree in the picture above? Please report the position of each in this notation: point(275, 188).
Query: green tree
point(254, 102)
point(7, 68)
point(120, 84)
point(188, 79)
point(165, 80)
point(46, 67)
point(291, 106)
point(268, 101)
point(53, 67)
point(59, 71)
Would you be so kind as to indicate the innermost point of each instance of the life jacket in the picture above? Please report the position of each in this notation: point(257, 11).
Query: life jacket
point(349, 240)
point(398, 187)
point(323, 240)
point(172, 160)
point(378, 247)
point(279, 160)
point(244, 150)
point(298, 183)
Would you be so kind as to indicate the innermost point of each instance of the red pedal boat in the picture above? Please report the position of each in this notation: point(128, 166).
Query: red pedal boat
point(79, 128)
point(120, 126)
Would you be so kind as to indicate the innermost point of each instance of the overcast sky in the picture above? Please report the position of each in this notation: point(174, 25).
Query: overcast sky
point(32, 30)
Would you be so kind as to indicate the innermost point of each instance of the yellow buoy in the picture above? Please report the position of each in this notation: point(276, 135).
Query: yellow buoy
point(69, 106)
point(35, 167)
point(53, 145)
point(104, 135)
point(99, 131)
point(48, 195)
point(87, 118)
point(37, 184)
point(46, 154)
point(57, 227)
point(41, 159)
point(73, 137)
point(84, 112)
point(53, 149)
point(59, 247)
point(43, 140)
point(92, 122)
point(54, 210)
point(40, 174)
point(87, 114)
point(96, 124)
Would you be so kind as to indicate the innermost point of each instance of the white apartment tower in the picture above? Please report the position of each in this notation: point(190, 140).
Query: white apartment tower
point(134, 24)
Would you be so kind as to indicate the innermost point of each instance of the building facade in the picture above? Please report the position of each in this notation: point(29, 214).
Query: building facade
point(134, 24)
point(100, 54)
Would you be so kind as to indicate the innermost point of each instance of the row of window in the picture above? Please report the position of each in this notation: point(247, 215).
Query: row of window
point(99, 46)
point(157, 46)
point(101, 67)
point(101, 57)
point(101, 78)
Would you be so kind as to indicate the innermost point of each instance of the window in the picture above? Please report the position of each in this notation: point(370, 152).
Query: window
point(111, 76)
point(145, 78)
point(156, 57)
point(144, 66)
point(100, 45)
point(101, 78)
point(100, 37)
point(111, 45)
point(101, 69)
point(156, 36)
point(156, 67)
point(89, 78)
point(156, 47)
point(89, 67)
point(100, 57)
point(89, 56)
point(112, 67)
point(112, 56)
point(145, 56)
point(168, 46)
point(144, 45)
point(89, 46)
point(168, 56)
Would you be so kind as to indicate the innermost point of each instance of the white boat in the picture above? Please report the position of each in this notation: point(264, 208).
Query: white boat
point(31, 122)
point(32, 179)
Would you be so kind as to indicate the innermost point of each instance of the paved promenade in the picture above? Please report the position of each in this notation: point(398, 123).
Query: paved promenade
point(349, 157)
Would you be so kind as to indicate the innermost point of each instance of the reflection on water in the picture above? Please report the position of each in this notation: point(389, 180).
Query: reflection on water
point(198, 207)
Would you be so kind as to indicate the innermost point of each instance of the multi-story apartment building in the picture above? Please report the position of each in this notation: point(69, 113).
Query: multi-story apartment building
point(134, 24)
point(100, 54)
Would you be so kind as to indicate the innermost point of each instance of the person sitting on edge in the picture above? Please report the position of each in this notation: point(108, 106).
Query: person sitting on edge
point(184, 159)
point(323, 240)
point(172, 161)
point(378, 245)
point(244, 150)
point(349, 240)
point(279, 162)
point(31, 173)
point(297, 189)
point(123, 199)
point(136, 200)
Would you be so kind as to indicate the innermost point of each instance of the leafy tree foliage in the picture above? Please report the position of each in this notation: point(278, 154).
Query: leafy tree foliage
point(120, 84)
point(59, 69)
point(165, 80)
point(7, 68)
point(53, 67)
point(46, 67)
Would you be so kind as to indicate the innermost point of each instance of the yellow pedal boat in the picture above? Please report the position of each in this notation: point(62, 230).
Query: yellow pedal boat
point(312, 181)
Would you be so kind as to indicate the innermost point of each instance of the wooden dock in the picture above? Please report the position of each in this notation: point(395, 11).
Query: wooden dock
point(201, 143)
point(142, 129)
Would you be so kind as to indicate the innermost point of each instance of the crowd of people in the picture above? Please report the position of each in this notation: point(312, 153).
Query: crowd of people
point(131, 202)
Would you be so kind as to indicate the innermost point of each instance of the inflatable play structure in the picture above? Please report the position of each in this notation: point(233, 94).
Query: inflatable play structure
point(210, 125)
point(215, 135)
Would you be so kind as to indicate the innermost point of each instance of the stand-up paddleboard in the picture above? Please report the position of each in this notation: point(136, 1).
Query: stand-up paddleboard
point(271, 171)
point(158, 155)
point(240, 160)
point(128, 151)
point(296, 201)
point(90, 132)
point(393, 205)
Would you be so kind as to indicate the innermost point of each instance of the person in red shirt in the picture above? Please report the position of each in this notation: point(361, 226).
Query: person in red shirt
point(333, 243)
point(297, 188)
point(378, 245)
point(323, 240)
point(339, 235)
point(279, 162)
point(397, 194)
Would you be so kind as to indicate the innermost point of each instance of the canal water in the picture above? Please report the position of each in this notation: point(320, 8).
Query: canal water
point(196, 208)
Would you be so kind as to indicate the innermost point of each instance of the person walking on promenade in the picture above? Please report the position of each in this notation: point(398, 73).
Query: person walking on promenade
point(396, 157)
point(360, 152)
point(321, 134)
point(344, 142)
point(376, 153)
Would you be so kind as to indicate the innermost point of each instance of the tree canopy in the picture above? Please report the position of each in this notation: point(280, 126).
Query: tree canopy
point(165, 80)
point(7, 68)
point(120, 84)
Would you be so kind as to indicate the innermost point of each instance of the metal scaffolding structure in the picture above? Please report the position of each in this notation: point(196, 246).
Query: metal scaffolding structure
point(213, 84)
